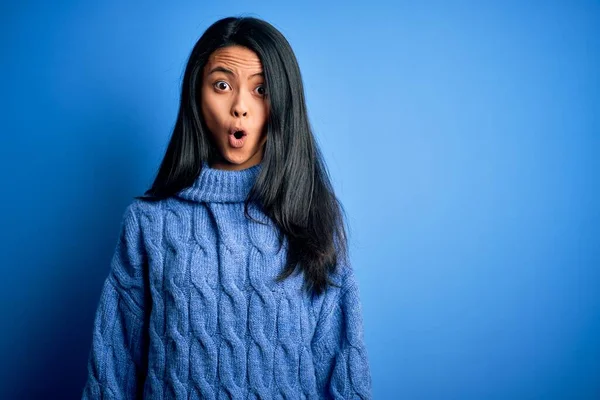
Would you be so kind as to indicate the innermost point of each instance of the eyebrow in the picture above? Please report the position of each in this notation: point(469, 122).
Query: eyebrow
point(230, 72)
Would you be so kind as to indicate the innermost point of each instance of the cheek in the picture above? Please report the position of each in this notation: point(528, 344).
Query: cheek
point(265, 113)
point(261, 111)
point(210, 110)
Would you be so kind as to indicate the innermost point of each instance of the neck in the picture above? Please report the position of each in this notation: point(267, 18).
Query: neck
point(226, 165)
point(214, 184)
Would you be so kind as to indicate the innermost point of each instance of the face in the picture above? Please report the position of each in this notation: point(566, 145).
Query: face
point(233, 98)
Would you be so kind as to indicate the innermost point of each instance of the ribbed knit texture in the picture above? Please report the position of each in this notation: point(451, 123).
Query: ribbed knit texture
point(190, 308)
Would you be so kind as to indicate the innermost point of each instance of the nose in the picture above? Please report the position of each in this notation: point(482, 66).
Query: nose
point(239, 106)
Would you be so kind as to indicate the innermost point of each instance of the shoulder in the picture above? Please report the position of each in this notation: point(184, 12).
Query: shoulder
point(145, 211)
point(139, 216)
point(168, 219)
point(139, 207)
point(342, 279)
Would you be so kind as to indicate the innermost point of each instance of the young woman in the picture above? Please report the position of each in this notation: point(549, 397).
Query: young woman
point(231, 277)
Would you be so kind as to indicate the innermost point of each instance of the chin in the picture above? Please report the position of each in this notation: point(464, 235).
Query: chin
point(235, 161)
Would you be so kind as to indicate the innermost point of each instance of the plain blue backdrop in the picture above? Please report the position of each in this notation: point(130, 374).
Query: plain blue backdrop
point(463, 139)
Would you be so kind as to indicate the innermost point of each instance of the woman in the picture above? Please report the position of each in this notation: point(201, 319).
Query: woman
point(230, 277)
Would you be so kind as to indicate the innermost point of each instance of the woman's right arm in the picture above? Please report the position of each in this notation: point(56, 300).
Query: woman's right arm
point(117, 359)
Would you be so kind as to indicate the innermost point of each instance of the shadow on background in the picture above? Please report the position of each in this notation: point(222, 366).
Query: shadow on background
point(71, 251)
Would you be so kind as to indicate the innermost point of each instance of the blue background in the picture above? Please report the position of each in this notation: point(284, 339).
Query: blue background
point(463, 139)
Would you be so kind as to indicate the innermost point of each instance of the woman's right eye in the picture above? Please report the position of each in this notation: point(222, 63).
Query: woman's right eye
point(218, 85)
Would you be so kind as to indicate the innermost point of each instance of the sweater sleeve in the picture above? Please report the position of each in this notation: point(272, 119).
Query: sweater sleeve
point(339, 350)
point(116, 362)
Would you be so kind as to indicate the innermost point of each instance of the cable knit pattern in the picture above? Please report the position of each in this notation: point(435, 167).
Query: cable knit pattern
point(191, 310)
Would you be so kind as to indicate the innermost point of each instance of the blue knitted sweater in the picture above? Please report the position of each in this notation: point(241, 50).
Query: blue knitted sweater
point(190, 308)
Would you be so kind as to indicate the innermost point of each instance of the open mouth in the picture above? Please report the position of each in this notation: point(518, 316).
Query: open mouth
point(237, 131)
point(237, 138)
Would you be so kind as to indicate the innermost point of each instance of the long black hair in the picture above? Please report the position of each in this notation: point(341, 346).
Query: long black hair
point(293, 187)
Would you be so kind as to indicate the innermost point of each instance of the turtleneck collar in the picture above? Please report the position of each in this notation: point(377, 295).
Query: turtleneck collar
point(220, 185)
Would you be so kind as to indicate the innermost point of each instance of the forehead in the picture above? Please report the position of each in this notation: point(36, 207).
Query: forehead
point(238, 58)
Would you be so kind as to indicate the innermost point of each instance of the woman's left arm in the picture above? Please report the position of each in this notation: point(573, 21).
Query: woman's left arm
point(339, 351)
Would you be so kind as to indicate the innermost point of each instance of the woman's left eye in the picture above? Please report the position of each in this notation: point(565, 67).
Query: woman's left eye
point(263, 90)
